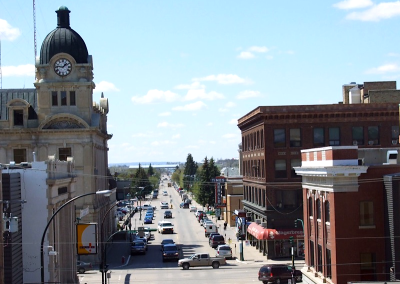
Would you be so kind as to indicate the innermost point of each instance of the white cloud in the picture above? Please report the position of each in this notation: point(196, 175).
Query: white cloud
point(223, 110)
point(393, 54)
point(248, 94)
point(377, 12)
point(176, 136)
point(269, 57)
point(353, 4)
point(167, 113)
point(105, 86)
point(233, 121)
point(246, 55)
point(169, 125)
point(20, 70)
point(191, 107)
point(258, 49)
point(155, 96)
point(387, 68)
point(224, 79)
point(230, 104)
point(165, 142)
point(229, 135)
point(210, 124)
point(201, 94)
point(7, 32)
point(194, 85)
point(213, 142)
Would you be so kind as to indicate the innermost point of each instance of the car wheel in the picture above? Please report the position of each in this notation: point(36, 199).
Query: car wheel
point(215, 265)
point(185, 266)
point(81, 270)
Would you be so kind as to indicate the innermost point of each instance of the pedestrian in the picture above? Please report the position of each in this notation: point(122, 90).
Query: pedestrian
point(225, 224)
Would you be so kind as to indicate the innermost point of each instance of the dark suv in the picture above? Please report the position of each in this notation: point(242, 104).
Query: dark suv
point(170, 251)
point(216, 240)
point(278, 273)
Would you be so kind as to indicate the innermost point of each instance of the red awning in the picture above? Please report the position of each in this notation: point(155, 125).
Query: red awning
point(261, 233)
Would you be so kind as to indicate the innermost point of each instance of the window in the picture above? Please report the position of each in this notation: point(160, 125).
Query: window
point(367, 266)
point(327, 212)
point(319, 269)
point(311, 253)
point(357, 135)
point(286, 199)
point(19, 156)
point(328, 264)
point(366, 213)
point(310, 207)
point(334, 136)
point(373, 135)
point(54, 99)
point(318, 209)
point(18, 117)
point(62, 190)
point(279, 138)
point(63, 153)
point(319, 137)
point(280, 168)
point(72, 101)
point(295, 137)
point(294, 163)
point(63, 98)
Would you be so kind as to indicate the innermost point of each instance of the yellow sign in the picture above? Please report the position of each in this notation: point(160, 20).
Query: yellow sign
point(86, 238)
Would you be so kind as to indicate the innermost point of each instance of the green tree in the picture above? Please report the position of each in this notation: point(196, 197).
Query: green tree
point(141, 180)
point(205, 189)
point(189, 172)
point(150, 171)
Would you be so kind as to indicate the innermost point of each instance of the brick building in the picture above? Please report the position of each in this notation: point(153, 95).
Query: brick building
point(272, 140)
point(348, 221)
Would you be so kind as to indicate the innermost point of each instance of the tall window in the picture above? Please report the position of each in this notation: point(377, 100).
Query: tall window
point(334, 136)
point(63, 153)
point(279, 138)
point(18, 117)
point(327, 212)
point(294, 163)
point(310, 206)
point(295, 137)
point(357, 135)
point(366, 213)
point(373, 135)
point(280, 168)
point(63, 98)
point(319, 137)
point(319, 269)
point(72, 100)
point(318, 209)
point(19, 156)
point(312, 254)
point(367, 269)
point(328, 264)
point(54, 98)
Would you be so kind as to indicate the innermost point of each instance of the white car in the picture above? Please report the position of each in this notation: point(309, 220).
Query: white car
point(165, 193)
point(165, 227)
point(193, 209)
point(164, 205)
point(224, 251)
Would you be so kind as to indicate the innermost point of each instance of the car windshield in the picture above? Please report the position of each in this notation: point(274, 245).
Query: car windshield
point(166, 224)
point(167, 241)
point(170, 248)
point(224, 248)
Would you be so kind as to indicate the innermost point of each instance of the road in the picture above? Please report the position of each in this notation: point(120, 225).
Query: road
point(189, 236)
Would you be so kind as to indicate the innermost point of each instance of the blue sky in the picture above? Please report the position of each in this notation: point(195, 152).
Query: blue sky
point(179, 74)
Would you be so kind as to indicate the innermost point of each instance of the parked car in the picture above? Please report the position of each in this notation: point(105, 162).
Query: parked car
point(143, 239)
point(198, 212)
point(184, 205)
point(138, 246)
point(224, 251)
point(148, 220)
point(170, 251)
point(278, 273)
point(167, 214)
point(82, 267)
point(216, 240)
point(193, 209)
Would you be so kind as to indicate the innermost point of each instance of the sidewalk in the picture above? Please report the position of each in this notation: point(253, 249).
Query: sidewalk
point(250, 253)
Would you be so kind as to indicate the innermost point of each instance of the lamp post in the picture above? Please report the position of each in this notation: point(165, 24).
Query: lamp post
point(103, 192)
point(103, 265)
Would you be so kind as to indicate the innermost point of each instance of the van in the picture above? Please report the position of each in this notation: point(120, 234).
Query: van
point(278, 273)
point(210, 228)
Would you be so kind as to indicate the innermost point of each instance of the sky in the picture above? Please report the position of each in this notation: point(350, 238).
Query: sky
point(179, 74)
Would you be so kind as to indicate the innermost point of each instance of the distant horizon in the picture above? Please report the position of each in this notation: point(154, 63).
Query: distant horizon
point(155, 163)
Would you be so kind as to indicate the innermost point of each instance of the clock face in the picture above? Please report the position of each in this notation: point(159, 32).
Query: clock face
point(62, 67)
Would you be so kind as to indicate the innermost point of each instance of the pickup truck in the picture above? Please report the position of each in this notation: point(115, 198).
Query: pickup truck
point(201, 259)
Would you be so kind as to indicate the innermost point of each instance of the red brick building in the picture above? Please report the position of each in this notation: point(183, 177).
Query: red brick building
point(349, 214)
point(272, 140)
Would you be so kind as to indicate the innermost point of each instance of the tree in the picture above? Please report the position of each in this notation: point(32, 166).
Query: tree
point(189, 171)
point(141, 179)
point(205, 192)
point(150, 171)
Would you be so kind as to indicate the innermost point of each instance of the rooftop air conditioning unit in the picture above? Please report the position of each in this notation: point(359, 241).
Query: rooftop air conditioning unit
point(355, 143)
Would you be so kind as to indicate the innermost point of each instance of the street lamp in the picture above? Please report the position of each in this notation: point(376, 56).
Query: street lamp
point(103, 192)
point(103, 265)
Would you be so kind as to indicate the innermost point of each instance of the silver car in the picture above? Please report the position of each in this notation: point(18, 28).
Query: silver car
point(224, 251)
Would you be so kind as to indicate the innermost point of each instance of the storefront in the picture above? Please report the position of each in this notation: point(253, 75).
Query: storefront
point(276, 243)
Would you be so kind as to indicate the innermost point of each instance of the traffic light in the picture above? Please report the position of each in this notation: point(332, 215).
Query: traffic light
point(291, 240)
point(295, 223)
